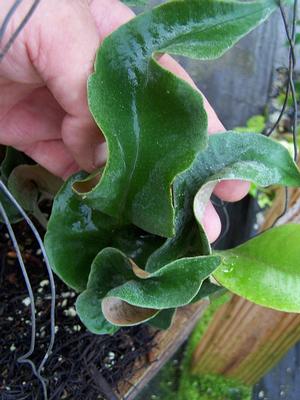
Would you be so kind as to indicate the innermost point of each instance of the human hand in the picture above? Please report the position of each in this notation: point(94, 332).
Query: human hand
point(43, 104)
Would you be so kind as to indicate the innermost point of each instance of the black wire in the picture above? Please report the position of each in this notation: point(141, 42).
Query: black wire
point(19, 28)
point(291, 67)
point(8, 17)
point(290, 88)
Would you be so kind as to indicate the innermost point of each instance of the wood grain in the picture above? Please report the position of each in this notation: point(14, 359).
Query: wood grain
point(168, 343)
point(244, 340)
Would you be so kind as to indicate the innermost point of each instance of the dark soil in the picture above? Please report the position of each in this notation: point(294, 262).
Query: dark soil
point(82, 365)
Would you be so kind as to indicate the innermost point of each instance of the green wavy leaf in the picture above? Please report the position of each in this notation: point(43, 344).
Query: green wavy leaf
point(174, 285)
point(110, 268)
point(153, 121)
point(265, 270)
point(77, 232)
point(230, 155)
point(129, 295)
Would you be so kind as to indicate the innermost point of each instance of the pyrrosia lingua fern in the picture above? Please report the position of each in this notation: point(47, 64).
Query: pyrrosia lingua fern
point(129, 237)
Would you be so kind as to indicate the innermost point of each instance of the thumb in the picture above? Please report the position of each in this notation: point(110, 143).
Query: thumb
point(61, 40)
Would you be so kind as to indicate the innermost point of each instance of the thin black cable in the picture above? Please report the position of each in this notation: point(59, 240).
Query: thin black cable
point(292, 61)
point(19, 29)
point(285, 207)
point(290, 88)
point(8, 17)
point(294, 95)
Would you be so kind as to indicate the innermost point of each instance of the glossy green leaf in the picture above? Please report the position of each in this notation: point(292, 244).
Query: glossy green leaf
point(231, 155)
point(255, 158)
point(77, 233)
point(88, 307)
point(153, 121)
point(265, 270)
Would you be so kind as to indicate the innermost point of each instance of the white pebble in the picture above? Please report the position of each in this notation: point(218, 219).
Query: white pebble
point(12, 347)
point(26, 301)
point(77, 328)
point(64, 303)
point(45, 282)
point(70, 312)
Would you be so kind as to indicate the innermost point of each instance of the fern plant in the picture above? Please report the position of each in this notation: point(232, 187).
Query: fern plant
point(129, 237)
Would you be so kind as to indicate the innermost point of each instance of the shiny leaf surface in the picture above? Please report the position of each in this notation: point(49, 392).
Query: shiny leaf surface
point(230, 155)
point(77, 233)
point(265, 270)
point(145, 111)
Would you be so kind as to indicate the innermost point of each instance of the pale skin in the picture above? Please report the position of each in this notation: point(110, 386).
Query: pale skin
point(43, 102)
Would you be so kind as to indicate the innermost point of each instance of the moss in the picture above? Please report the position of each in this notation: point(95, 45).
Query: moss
point(203, 387)
point(211, 387)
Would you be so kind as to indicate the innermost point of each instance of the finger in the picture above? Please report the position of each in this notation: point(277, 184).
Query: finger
point(232, 190)
point(116, 14)
point(211, 223)
point(54, 156)
point(214, 124)
point(38, 117)
point(227, 190)
point(63, 56)
point(89, 150)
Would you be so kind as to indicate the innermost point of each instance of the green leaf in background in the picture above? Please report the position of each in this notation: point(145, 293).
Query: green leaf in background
point(230, 155)
point(265, 270)
point(30, 184)
point(153, 121)
point(11, 159)
point(255, 124)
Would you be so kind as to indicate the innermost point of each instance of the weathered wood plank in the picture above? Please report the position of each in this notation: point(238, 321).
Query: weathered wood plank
point(244, 340)
point(168, 343)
